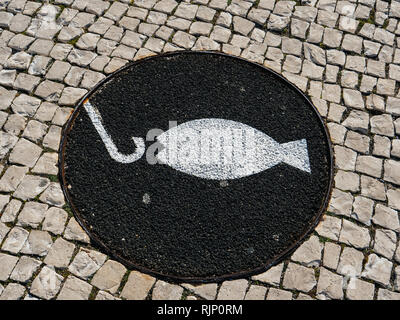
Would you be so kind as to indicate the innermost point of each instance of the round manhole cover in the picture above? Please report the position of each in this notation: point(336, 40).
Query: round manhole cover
point(196, 166)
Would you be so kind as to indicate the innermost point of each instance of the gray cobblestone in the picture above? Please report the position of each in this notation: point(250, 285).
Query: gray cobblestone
point(206, 291)
point(256, 293)
point(26, 82)
point(378, 269)
point(138, 286)
point(53, 195)
point(12, 178)
point(362, 209)
point(385, 243)
point(52, 138)
point(359, 290)
point(349, 79)
point(166, 6)
point(25, 269)
point(369, 165)
point(233, 290)
point(381, 146)
point(32, 214)
point(15, 124)
point(331, 255)
point(271, 276)
point(384, 294)
point(7, 265)
point(330, 227)
point(13, 291)
point(354, 235)
point(166, 291)
point(73, 231)
point(10, 213)
point(15, 240)
point(350, 263)
point(74, 289)
point(25, 153)
point(309, 253)
point(386, 217)
point(299, 278)
point(86, 263)
point(20, 42)
point(394, 198)
point(277, 23)
point(40, 285)
point(332, 50)
point(38, 243)
point(102, 295)
point(55, 220)
point(330, 285)
point(278, 294)
point(372, 188)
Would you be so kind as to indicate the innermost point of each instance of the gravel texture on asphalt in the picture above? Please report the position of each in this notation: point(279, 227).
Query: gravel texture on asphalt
point(195, 228)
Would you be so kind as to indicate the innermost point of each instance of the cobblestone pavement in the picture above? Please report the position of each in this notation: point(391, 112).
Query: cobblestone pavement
point(343, 54)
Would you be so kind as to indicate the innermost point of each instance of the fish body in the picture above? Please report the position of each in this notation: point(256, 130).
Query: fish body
point(221, 149)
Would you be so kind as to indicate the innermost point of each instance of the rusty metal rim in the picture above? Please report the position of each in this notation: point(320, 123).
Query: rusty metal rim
point(268, 264)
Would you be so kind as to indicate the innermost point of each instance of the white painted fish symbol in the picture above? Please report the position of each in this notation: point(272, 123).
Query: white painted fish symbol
point(212, 148)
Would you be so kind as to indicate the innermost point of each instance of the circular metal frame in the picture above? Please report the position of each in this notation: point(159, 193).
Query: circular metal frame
point(97, 241)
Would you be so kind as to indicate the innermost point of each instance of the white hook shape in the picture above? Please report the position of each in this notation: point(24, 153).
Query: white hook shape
point(112, 149)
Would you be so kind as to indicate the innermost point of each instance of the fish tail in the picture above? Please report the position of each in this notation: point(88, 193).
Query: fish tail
point(295, 154)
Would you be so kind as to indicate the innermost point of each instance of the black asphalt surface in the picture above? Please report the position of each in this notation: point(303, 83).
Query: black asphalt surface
point(193, 228)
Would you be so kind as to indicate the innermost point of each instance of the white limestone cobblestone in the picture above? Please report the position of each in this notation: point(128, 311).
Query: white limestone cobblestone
point(332, 50)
